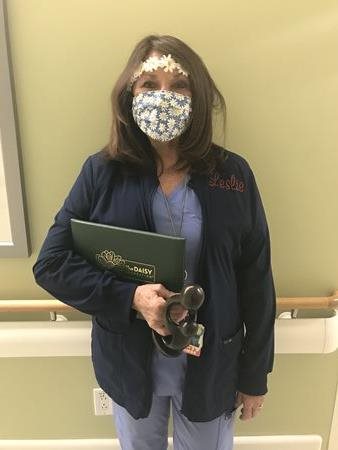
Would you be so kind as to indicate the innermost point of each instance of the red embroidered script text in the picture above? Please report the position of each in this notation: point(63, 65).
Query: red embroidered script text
point(231, 183)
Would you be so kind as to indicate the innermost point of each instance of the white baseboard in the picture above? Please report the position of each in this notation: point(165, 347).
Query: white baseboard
point(299, 442)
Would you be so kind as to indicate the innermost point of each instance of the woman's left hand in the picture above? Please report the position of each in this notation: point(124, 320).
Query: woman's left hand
point(252, 404)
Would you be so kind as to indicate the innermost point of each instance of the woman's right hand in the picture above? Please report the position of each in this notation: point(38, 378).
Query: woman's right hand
point(150, 301)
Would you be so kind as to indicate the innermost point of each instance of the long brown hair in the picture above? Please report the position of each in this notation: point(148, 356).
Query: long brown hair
point(131, 146)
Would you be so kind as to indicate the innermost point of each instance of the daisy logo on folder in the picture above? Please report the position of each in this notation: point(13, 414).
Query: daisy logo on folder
point(109, 258)
point(131, 269)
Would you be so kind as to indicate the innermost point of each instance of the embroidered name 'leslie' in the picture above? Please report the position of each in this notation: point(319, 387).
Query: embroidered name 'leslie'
point(231, 183)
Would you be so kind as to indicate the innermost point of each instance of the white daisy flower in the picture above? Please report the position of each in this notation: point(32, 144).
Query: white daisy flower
point(171, 123)
point(177, 111)
point(153, 116)
point(145, 114)
point(173, 102)
point(147, 100)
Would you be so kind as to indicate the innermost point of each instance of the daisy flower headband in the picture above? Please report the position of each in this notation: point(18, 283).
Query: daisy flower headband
point(165, 62)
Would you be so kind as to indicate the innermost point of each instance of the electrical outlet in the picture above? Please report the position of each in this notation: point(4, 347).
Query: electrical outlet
point(103, 405)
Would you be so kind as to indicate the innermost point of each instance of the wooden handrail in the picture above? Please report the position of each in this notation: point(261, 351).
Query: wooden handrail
point(33, 306)
point(287, 303)
point(308, 302)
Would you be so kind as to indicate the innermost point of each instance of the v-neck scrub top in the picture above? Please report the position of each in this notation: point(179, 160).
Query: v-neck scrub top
point(169, 373)
point(191, 224)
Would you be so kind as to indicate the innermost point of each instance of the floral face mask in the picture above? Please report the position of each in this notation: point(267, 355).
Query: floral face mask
point(162, 115)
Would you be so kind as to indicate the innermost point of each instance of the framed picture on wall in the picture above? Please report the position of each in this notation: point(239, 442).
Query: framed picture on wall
point(13, 233)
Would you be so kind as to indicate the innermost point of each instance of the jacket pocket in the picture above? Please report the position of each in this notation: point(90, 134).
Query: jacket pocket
point(229, 349)
point(232, 344)
point(107, 357)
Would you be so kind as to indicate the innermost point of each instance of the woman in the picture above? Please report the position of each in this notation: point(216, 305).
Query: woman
point(161, 172)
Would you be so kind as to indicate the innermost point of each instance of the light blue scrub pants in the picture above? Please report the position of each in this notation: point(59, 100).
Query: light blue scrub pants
point(151, 433)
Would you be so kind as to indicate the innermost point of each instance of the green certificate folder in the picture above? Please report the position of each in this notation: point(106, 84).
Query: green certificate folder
point(133, 255)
